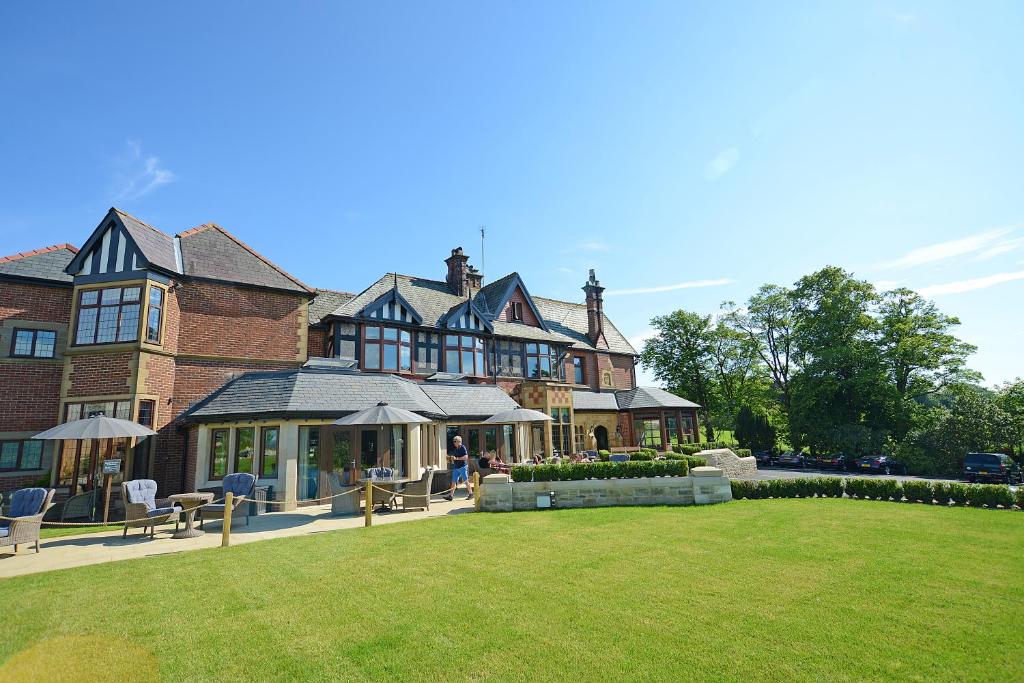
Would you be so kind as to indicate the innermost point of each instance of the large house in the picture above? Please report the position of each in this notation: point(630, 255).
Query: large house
point(240, 366)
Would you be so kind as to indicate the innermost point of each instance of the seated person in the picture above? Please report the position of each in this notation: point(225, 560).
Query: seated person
point(537, 459)
point(491, 461)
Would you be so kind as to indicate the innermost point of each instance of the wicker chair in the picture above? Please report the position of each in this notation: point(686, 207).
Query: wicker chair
point(141, 508)
point(242, 486)
point(81, 506)
point(418, 491)
point(27, 508)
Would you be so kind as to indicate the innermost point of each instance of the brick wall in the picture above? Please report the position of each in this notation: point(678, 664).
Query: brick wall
point(596, 364)
point(528, 317)
point(101, 374)
point(35, 302)
point(622, 371)
point(31, 395)
point(224, 320)
point(316, 344)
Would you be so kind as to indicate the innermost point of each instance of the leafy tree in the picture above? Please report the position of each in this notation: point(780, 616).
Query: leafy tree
point(739, 376)
point(680, 356)
point(753, 430)
point(1010, 398)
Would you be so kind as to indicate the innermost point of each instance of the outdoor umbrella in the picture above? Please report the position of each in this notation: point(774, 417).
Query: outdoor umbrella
point(99, 427)
point(381, 414)
point(518, 415)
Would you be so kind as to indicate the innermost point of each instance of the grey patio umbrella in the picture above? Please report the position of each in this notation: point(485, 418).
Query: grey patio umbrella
point(382, 414)
point(518, 415)
point(99, 427)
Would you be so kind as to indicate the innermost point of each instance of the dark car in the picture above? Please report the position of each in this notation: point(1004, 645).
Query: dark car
point(765, 458)
point(791, 459)
point(879, 463)
point(991, 467)
point(830, 461)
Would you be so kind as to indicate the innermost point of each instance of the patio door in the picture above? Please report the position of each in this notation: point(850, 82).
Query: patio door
point(369, 448)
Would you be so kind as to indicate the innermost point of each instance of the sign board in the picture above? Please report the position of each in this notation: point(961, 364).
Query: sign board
point(112, 466)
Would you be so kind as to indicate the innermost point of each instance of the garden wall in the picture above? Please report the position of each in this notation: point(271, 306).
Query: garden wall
point(730, 463)
point(704, 485)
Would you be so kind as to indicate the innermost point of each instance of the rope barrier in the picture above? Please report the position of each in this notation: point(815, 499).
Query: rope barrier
point(117, 523)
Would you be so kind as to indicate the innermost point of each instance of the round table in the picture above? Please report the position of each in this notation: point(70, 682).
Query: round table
point(190, 502)
point(386, 481)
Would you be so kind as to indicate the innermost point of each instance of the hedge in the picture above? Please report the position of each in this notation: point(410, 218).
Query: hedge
point(941, 492)
point(601, 470)
point(687, 448)
point(742, 452)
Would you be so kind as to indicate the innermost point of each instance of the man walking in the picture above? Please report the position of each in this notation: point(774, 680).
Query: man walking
point(460, 468)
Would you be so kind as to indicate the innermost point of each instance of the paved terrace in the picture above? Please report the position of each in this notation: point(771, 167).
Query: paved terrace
point(109, 546)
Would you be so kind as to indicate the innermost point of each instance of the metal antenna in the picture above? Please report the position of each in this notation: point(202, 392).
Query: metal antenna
point(483, 261)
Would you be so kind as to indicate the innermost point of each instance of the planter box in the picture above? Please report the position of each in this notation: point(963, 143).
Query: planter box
point(498, 494)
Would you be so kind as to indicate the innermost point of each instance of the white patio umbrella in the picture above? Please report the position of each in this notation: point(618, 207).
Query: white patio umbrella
point(518, 415)
point(99, 427)
point(382, 414)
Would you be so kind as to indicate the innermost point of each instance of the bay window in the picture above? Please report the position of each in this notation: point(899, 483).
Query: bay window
point(428, 352)
point(107, 316)
point(464, 354)
point(509, 358)
point(155, 314)
point(542, 362)
point(387, 348)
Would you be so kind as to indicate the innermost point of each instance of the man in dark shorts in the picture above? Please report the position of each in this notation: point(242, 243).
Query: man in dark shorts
point(459, 468)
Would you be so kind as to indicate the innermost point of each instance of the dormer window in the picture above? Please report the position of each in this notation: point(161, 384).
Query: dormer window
point(516, 309)
point(108, 316)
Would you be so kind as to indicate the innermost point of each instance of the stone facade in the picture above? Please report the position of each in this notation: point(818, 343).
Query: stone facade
point(498, 494)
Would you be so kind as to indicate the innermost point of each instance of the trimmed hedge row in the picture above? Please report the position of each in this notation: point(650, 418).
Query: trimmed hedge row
point(943, 493)
point(691, 460)
point(601, 470)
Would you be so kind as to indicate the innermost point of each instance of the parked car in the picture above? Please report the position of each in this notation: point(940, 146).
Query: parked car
point(791, 459)
point(765, 458)
point(831, 461)
point(991, 467)
point(879, 463)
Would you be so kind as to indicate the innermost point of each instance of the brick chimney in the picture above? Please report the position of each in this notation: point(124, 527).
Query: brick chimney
point(461, 276)
point(595, 308)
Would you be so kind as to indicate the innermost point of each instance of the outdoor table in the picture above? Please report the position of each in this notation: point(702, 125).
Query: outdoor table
point(190, 503)
point(384, 481)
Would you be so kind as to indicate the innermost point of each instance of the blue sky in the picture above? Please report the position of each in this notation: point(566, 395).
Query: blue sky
point(689, 152)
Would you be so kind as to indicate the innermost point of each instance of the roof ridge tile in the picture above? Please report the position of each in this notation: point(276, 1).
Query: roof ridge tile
point(42, 250)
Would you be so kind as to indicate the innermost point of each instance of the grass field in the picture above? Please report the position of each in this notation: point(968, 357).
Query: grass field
point(771, 589)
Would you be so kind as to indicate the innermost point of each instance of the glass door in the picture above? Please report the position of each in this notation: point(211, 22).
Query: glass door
point(369, 453)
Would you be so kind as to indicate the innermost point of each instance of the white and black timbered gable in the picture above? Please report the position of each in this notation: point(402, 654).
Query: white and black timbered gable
point(466, 316)
point(391, 306)
point(114, 252)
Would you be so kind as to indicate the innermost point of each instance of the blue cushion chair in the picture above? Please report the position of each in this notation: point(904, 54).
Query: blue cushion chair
point(27, 509)
point(142, 509)
point(618, 457)
point(242, 487)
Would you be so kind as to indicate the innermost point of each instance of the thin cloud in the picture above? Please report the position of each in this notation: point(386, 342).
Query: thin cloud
point(637, 340)
point(886, 285)
point(136, 175)
point(724, 162)
point(594, 245)
point(693, 284)
point(942, 251)
point(1004, 247)
point(961, 286)
point(563, 269)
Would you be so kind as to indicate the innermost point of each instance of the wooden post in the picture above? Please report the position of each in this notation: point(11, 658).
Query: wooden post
point(476, 490)
point(225, 534)
point(107, 478)
point(369, 503)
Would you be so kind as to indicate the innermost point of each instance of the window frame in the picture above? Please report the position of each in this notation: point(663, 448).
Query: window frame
point(35, 341)
point(213, 476)
point(263, 452)
point(19, 458)
point(579, 370)
point(160, 313)
point(516, 311)
point(476, 348)
point(152, 412)
point(253, 467)
point(404, 340)
point(98, 307)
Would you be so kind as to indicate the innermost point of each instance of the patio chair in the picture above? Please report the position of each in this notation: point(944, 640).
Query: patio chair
point(141, 508)
point(27, 507)
point(419, 491)
point(241, 485)
point(383, 497)
point(342, 505)
point(80, 506)
point(618, 457)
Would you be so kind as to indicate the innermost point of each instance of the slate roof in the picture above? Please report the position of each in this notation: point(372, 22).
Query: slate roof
point(325, 302)
point(156, 246)
point(210, 251)
point(47, 263)
point(469, 400)
point(570, 319)
point(650, 397)
point(592, 400)
point(312, 391)
point(433, 300)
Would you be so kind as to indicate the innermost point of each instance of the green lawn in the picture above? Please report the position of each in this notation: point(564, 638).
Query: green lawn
point(58, 531)
point(770, 589)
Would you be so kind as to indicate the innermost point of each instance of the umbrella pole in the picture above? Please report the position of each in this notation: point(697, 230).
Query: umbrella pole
point(107, 478)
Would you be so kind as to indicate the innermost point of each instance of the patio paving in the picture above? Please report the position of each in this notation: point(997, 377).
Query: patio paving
point(109, 546)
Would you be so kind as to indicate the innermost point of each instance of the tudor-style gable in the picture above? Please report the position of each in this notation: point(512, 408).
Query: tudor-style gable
point(391, 306)
point(468, 316)
point(122, 247)
point(509, 301)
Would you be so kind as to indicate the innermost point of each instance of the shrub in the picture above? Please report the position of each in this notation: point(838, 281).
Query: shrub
point(1020, 497)
point(918, 490)
point(990, 495)
point(693, 461)
point(856, 488)
point(600, 470)
point(885, 489)
point(687, 449)
point(603, 456)
point(743, 452)
point(828, 487)
point(745, 489)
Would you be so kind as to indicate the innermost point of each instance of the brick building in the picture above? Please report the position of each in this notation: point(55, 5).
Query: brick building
point(239, 366)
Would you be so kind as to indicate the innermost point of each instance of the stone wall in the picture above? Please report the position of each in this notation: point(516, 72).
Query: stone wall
point(498, 494)
point(731, 464)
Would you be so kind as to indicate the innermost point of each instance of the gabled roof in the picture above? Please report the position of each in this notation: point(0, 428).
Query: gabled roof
point(387, 298)
point(211, 252)
point(570, 319)
point(458, 311)
point(155, 246)
point(495, 295)
point(325, 301)
point(650, 397)
point(46, 264)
